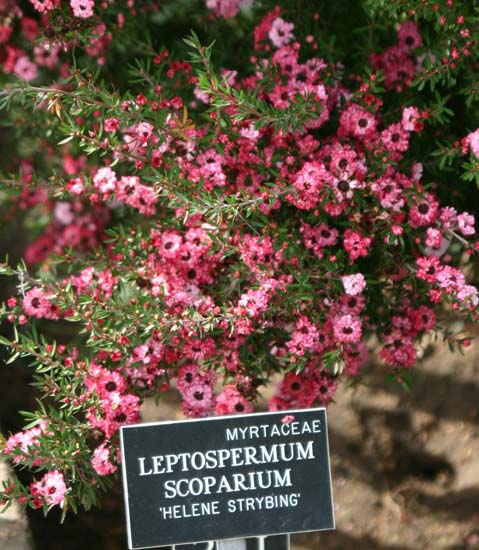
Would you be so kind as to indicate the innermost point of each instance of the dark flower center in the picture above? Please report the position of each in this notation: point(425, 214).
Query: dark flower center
point(423, 208)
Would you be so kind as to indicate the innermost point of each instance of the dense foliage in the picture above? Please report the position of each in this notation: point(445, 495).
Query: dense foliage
point(213, 194)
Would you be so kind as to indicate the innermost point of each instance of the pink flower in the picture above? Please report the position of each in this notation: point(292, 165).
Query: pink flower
point(5, 33)
point(111, 124)
point(398, 66)
point(198, 399)
point(304, 338)
point(115, 410)
point(433, 237)
point(51, 487)
point(46, 55)
point(75, 186)
point(27, 442)
point(465, 223)
point(104, 382)
point(29, 28)
point(355, 244)
point(395, 138)
point(450, 278)
point(187, 374)
point(37, 304)
point(254, 302)
point(347, 328)
point(472, 140)
point(448, 217)
point(199, 350)
point(281, 32)
point(358, 122)
point(25, 69)
point(308, 183)
point(424, 211)
point(227, 8)
point(144, 131)
point(398, 350)
point(410, 119)
point(101, 461)
point(469, 296)
point(105, 180)
point(82, 8)
point(409, 36)
point(353, 284)
point(390, 193)
point(231, 401)
point(106, 282)
point(429, 268)
point(327, 387)
point(424, 319)
point(43, 6)
point(295, 391)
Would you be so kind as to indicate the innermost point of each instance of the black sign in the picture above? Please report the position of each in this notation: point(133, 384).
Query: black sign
point(226, 477)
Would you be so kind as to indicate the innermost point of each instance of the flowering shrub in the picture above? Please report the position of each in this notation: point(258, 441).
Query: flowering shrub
point(205, 228)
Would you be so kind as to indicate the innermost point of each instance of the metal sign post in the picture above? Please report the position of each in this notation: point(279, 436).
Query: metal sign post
point(274, 542)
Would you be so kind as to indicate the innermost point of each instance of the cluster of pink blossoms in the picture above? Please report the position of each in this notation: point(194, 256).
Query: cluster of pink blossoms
point(22, 53)
point(26, 443)
point(127, 189)
point(295, 282)
point(397, 62)
point(328, 181)
point(80, 8)
point(37, 304)
point(50, 489)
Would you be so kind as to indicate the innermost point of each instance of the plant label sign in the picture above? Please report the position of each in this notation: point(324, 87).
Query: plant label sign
point(226, 477)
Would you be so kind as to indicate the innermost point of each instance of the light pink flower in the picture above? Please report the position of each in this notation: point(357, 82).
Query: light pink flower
point(281, 32)
point(25, 69)
point(82, 8)
point(472, 140)
point(465, 224)
point(101, 461)
point(353, 284)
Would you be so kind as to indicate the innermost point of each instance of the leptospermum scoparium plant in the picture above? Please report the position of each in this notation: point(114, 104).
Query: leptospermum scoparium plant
point(207, 227)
